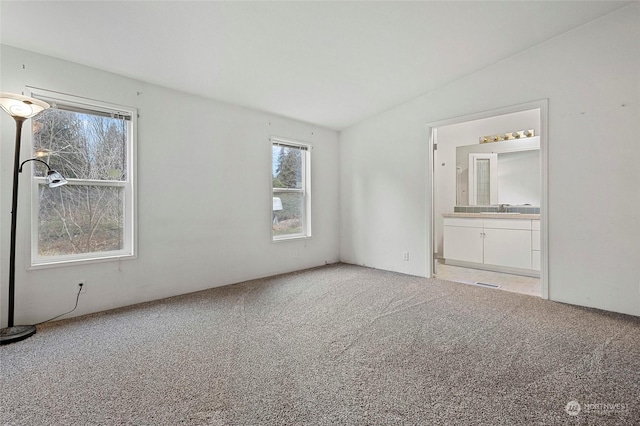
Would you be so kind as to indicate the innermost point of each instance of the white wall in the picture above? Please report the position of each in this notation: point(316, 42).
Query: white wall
point(204, 201)
point(590, 77)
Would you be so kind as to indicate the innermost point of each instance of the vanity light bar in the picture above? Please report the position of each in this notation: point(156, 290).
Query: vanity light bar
point(521, 134)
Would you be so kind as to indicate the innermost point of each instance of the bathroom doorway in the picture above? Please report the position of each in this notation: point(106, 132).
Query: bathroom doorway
point(509, 147)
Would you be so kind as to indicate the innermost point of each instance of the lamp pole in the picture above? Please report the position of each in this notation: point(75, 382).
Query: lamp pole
point(14, 217)
point(20, 108)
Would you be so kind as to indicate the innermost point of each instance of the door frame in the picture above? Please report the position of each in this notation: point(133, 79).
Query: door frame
point(432, 128)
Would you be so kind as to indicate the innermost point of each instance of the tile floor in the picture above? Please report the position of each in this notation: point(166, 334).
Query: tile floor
point(508, 282)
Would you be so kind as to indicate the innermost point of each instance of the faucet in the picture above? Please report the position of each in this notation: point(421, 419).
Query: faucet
point(502, 208)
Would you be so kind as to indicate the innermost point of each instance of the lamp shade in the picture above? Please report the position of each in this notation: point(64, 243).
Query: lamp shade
point(19, 106)
point(55, 179)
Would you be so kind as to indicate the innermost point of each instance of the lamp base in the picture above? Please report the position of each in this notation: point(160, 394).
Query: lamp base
point(16, 333)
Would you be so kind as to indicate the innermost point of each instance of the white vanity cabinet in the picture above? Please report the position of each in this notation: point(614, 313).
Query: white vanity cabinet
point(463, 239)
point(535, 245)
point(491, 243)
point(507, 242)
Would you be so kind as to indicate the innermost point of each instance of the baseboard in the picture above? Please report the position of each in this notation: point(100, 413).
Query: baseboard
point(493, 268)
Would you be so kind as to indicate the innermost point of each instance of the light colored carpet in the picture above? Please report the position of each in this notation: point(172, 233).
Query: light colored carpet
point(333, 345)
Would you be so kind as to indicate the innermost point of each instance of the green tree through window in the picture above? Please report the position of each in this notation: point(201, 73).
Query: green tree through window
point(290, 190)
point(91, 216)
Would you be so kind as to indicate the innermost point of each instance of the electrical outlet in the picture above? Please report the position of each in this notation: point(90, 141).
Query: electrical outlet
point(82, 285)
point(405, 255)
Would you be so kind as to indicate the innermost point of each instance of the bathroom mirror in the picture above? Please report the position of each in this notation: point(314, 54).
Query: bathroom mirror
point(506, 172)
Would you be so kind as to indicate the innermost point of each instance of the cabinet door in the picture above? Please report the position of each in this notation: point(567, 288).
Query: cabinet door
point(535, 260)
point(462, 243)
point(508, 247)
point(535, 240)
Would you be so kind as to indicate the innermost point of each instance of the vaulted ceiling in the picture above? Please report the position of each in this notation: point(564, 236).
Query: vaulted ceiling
point(328, 63)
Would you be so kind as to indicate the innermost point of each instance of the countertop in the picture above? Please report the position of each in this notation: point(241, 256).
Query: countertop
point(494, 215)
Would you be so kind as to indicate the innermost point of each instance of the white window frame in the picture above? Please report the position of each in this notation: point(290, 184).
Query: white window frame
point(129, 249)
point(305, 190)
point(493, 177)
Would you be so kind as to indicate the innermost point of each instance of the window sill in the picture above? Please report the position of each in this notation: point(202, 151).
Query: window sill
point(289, 238)
point(83, 261)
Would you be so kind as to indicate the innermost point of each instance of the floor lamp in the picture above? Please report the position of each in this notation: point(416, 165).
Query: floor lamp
point(21, 108)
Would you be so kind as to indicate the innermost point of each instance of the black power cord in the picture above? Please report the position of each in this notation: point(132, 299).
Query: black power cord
point(74, 308)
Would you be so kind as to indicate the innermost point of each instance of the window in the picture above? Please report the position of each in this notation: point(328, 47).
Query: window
point(291, 183)
point(483, 179)
point(92, 145)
